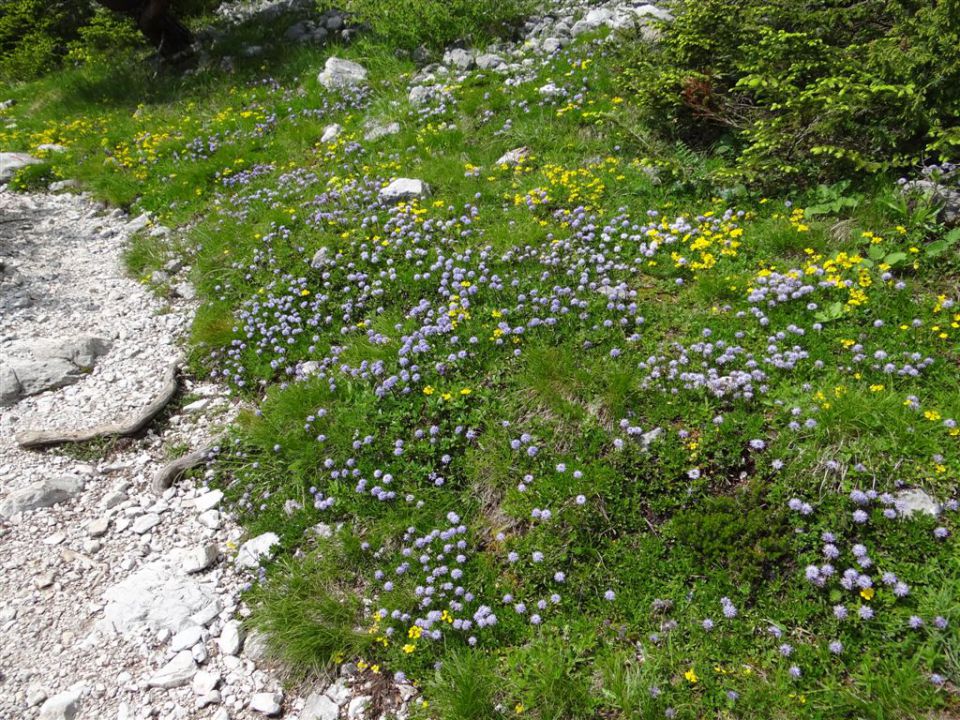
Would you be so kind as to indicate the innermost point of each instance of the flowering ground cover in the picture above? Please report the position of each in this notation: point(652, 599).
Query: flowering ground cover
point(574, 436)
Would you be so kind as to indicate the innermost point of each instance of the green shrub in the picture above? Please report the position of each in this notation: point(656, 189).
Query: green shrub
point(740, 534)
point(36, 36)
point(807, 90)
point(33, 177)
point(436, 23)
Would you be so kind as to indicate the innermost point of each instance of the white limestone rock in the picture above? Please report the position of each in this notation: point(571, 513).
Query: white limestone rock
point(403, 189)
point(338, 73)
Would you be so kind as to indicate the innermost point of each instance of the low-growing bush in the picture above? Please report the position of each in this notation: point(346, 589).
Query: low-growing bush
point(740, 534)
point(807, 90)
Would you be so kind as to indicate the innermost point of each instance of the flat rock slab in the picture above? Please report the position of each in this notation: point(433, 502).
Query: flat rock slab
point(41, 494)
point(157, 596)
point(48, 365)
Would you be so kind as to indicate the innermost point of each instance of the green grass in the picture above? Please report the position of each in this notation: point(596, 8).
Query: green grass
point(669, 526)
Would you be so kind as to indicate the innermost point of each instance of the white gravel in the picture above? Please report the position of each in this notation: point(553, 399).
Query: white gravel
point(59, 635)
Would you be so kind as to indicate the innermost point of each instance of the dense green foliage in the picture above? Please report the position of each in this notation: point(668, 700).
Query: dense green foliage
point(36, 36)
point(808, 90)
point(741, 534)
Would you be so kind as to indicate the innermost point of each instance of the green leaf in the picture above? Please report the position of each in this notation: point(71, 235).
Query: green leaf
point(939, 247)
point(833, 311)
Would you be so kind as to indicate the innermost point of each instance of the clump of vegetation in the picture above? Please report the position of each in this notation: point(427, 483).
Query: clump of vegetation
point(806, 91)
point(37, 36)
point(742, 535)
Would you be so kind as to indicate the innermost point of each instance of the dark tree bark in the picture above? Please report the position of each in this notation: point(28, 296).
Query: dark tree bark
point(155, 20)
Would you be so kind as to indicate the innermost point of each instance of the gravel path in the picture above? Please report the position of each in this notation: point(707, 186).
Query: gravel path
point(95, 593)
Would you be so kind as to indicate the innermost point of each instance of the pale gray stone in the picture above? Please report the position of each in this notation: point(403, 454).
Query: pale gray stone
point(256, 549)
point(208, 501)
point(197, 406)
point(186, 638)
point(911, 502)
point(420, 95)
point(41, 494)
point(205, 682)
point(112, 499)
point(29, 377)
point(267, 703)
point(331, 133)
point(158, 596)
point(489, 61)
point(11, 162)
point(200, 558)
point(320, 259)
point(98, 527)
point(211, 698)
point(459, 58)
point(319, 707)
point(650, 437)
point(403, 189)
point(358, 707)
point(145, 523)
point(61, 185)
point(231, 638)
point(176, 673)
point(63, 706)
point(514, 157)
point(209, 519)
point(338, 73)
point(36, 694)
point(255, 646)
point(377, 130)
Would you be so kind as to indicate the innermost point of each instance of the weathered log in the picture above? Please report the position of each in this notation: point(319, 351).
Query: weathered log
point(143, 417)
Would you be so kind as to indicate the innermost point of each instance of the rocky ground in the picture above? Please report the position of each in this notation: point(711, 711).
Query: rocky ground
point(115, 602)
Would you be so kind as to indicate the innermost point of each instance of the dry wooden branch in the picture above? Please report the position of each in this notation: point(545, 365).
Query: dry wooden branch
point(143, 417)
point(171, 472)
